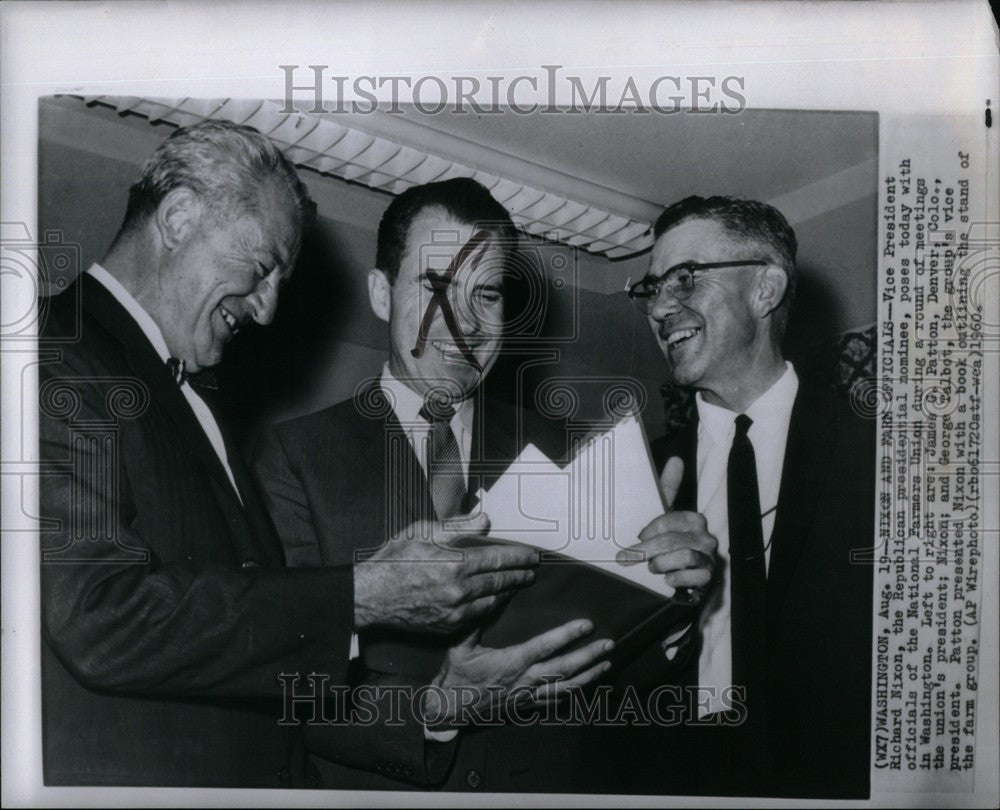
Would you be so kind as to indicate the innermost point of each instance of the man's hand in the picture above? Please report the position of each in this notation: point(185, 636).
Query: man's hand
point(418, 582)
point(496, 683)
point(676, 544)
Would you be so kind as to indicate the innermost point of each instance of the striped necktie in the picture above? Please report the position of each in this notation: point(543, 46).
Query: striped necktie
point(444, 467)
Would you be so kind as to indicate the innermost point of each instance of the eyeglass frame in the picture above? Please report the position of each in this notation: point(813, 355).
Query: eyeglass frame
point(636, 294)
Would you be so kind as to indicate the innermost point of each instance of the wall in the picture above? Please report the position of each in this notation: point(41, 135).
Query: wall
point(325, 340)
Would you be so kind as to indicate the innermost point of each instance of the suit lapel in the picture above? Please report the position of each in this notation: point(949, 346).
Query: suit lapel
point(152, 371)
point(262, 543)
point(687, 493)
point(683, 445)
point(388, 452)
point(811, 434)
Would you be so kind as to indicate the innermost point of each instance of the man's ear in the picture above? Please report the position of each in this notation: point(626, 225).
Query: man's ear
point(380, 294)
point(176, 216)
point(770, 290)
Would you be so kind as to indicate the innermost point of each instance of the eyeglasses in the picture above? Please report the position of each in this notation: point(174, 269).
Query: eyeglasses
point(679, 280)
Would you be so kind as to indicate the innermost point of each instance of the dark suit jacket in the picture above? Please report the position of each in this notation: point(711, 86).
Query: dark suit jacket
point(819, 621)
point(344, 480)
point(167, 613)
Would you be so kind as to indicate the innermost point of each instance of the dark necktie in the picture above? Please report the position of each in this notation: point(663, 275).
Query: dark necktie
point(748, 576)
point(444, 468)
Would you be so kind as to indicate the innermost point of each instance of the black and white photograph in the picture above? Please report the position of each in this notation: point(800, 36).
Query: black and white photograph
point(439, 423)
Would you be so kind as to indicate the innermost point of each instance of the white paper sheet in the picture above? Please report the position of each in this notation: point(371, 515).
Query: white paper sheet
point(589, 510)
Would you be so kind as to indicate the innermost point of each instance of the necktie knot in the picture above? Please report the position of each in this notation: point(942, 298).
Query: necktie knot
point(444, 461)
point(743, 423)
point(434, 412)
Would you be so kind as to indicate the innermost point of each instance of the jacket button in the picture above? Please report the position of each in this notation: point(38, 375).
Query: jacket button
point(473, 779)
point(249, 564)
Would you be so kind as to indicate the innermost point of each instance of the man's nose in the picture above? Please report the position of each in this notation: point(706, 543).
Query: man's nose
point(664, 305)
point(264, 302)
point(469, 320)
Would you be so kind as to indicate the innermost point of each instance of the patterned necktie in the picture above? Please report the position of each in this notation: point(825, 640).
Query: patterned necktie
point(748, 577)
point(444, 468)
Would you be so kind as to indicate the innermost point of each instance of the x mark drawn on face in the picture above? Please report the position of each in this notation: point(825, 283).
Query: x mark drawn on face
point(439, 298)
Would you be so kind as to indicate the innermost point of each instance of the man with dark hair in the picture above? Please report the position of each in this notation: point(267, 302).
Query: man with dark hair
point(463, 199)
point(414, 445)
point(783, 473)
point(167, 613)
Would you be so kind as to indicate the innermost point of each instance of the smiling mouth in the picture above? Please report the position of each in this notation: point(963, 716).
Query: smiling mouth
point(679, 336)
point(230, 319)
point(452, 353)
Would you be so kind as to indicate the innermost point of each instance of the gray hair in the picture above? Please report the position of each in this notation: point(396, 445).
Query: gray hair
point(224, 164)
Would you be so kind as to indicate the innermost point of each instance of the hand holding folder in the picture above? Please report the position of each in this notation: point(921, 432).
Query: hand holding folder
point(581, 518)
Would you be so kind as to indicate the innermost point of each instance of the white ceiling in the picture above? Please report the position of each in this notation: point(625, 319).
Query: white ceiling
point(659, 158)
point(621, 167)
point(818, 168)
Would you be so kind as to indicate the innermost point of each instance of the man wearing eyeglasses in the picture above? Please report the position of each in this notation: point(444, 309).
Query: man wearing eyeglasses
point(783, 472)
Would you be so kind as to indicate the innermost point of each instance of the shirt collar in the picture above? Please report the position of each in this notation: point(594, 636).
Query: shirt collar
point(771, 411)
point(407, 403)
point(133, 307)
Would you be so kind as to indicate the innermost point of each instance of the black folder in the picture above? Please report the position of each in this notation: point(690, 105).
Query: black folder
point(564, 589)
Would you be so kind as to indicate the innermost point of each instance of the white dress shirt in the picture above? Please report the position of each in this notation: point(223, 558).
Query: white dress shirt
point(155, 337)
point(771, 413)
